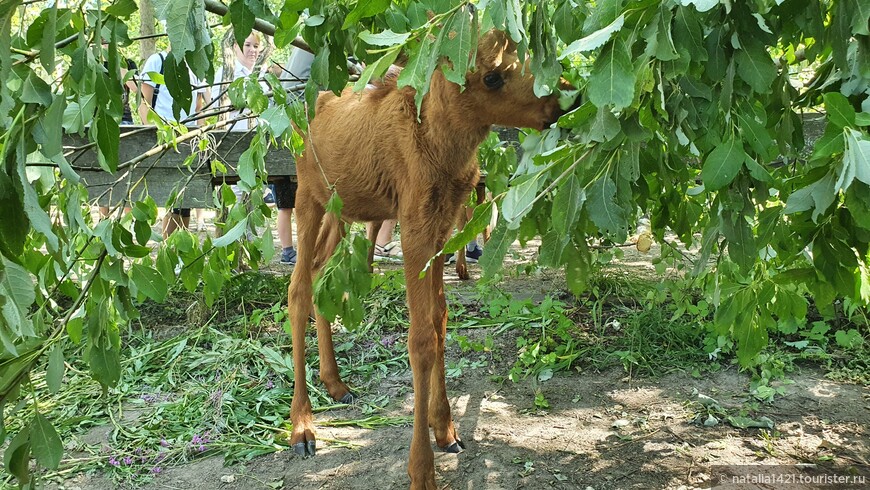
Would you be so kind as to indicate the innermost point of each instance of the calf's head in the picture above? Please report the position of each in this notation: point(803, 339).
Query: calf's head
point(500, 90)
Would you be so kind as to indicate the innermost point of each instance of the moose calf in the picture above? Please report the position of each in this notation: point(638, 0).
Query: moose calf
point(385, 164)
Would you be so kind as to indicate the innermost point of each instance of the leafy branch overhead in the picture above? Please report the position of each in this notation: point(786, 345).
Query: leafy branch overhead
point(739, 129)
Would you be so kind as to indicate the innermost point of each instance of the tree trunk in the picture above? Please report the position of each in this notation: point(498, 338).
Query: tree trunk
point(148, 46)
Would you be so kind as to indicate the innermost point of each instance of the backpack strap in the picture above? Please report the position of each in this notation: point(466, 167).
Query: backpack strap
point(157, 87)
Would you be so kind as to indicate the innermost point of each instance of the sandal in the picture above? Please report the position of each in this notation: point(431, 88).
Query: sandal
point(390, 252)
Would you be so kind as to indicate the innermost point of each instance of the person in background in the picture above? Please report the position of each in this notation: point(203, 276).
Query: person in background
point(386, 249)
point(155, 97)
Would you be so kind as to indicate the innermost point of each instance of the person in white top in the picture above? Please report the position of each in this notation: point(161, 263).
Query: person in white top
point(162, 102)
point(243, 60)
point(156, 97)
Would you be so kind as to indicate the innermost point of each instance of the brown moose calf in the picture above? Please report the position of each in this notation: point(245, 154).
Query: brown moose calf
point(384, 164)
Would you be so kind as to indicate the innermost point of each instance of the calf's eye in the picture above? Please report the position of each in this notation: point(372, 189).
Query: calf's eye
point(493, 80)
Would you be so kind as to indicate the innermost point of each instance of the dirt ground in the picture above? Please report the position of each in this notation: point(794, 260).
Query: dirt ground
point(574, 444)
point(603, 430)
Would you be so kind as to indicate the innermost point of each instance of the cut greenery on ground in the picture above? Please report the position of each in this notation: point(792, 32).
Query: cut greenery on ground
point(200, 383)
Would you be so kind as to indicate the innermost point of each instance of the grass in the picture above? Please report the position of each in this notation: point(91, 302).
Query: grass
point(199, 382)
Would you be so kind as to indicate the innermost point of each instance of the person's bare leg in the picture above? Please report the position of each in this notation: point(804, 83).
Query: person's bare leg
point(385, 236)
point(173, 222)
point(284, 225)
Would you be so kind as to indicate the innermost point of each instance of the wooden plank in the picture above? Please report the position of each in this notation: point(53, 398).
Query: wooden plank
point(174, 171)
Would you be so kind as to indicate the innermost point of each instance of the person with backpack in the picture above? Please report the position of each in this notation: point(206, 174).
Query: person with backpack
point(155, 97)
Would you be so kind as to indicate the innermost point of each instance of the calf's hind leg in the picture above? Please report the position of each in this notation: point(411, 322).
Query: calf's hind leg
point(440, 417)
point(331, 233)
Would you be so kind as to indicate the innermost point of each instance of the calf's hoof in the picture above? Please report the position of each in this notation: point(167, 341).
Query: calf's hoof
point(462, 272)
point(348, 398)
point(305, 449)
point(455, 448)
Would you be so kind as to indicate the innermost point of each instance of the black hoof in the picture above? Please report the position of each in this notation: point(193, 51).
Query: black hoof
point(305, 449)
point(455, 448)
point(348, 398)
point(299, 449)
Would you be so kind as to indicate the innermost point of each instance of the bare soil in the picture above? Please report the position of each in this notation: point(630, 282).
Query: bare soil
point(603, 430)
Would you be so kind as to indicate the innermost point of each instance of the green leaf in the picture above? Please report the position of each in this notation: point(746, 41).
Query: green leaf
point(613, 77)
point(595, 40)
point(492, 259)
point(567, 204)
point(185, 22)
point(742, 248)
point(564, 21)
point(178, 83)
point(105, 364)
point(860, 24)
point(723, 164)
point(55, 370)
point(457, 45)
point(857, 155)
point(418, 72)
point(46, 445)
point(122, 8)
point(688, 34)
point(74, 328)
point(276, 119)
point(605, 126)
point(233, 235)
point(37, 216)
point(384, 38)
point(701, 5)
point(477, 224)
point(108, 140)
point(833, 141)
point(755, 67)
point(840, 111)
point(49, 34)
point(850, 339)
point(364, 9)
point(142, 230)
point(376, 69)
point(751, 339)
point(603, 210)
point(518, 201)
point(18, 287)
point(243, 20)
point(149, 282)
point(247, 170)
point(16, 457)
point(665, 49)
point(49, 129)
point(755, 134)
point(35, 90)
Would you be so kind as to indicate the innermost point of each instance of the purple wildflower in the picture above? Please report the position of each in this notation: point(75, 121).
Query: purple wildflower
point(128, 461)
point(156, 470)
point(114, 462)
point(389, 340)
point(164, 442)
point(269, 384)
point(160, 457)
